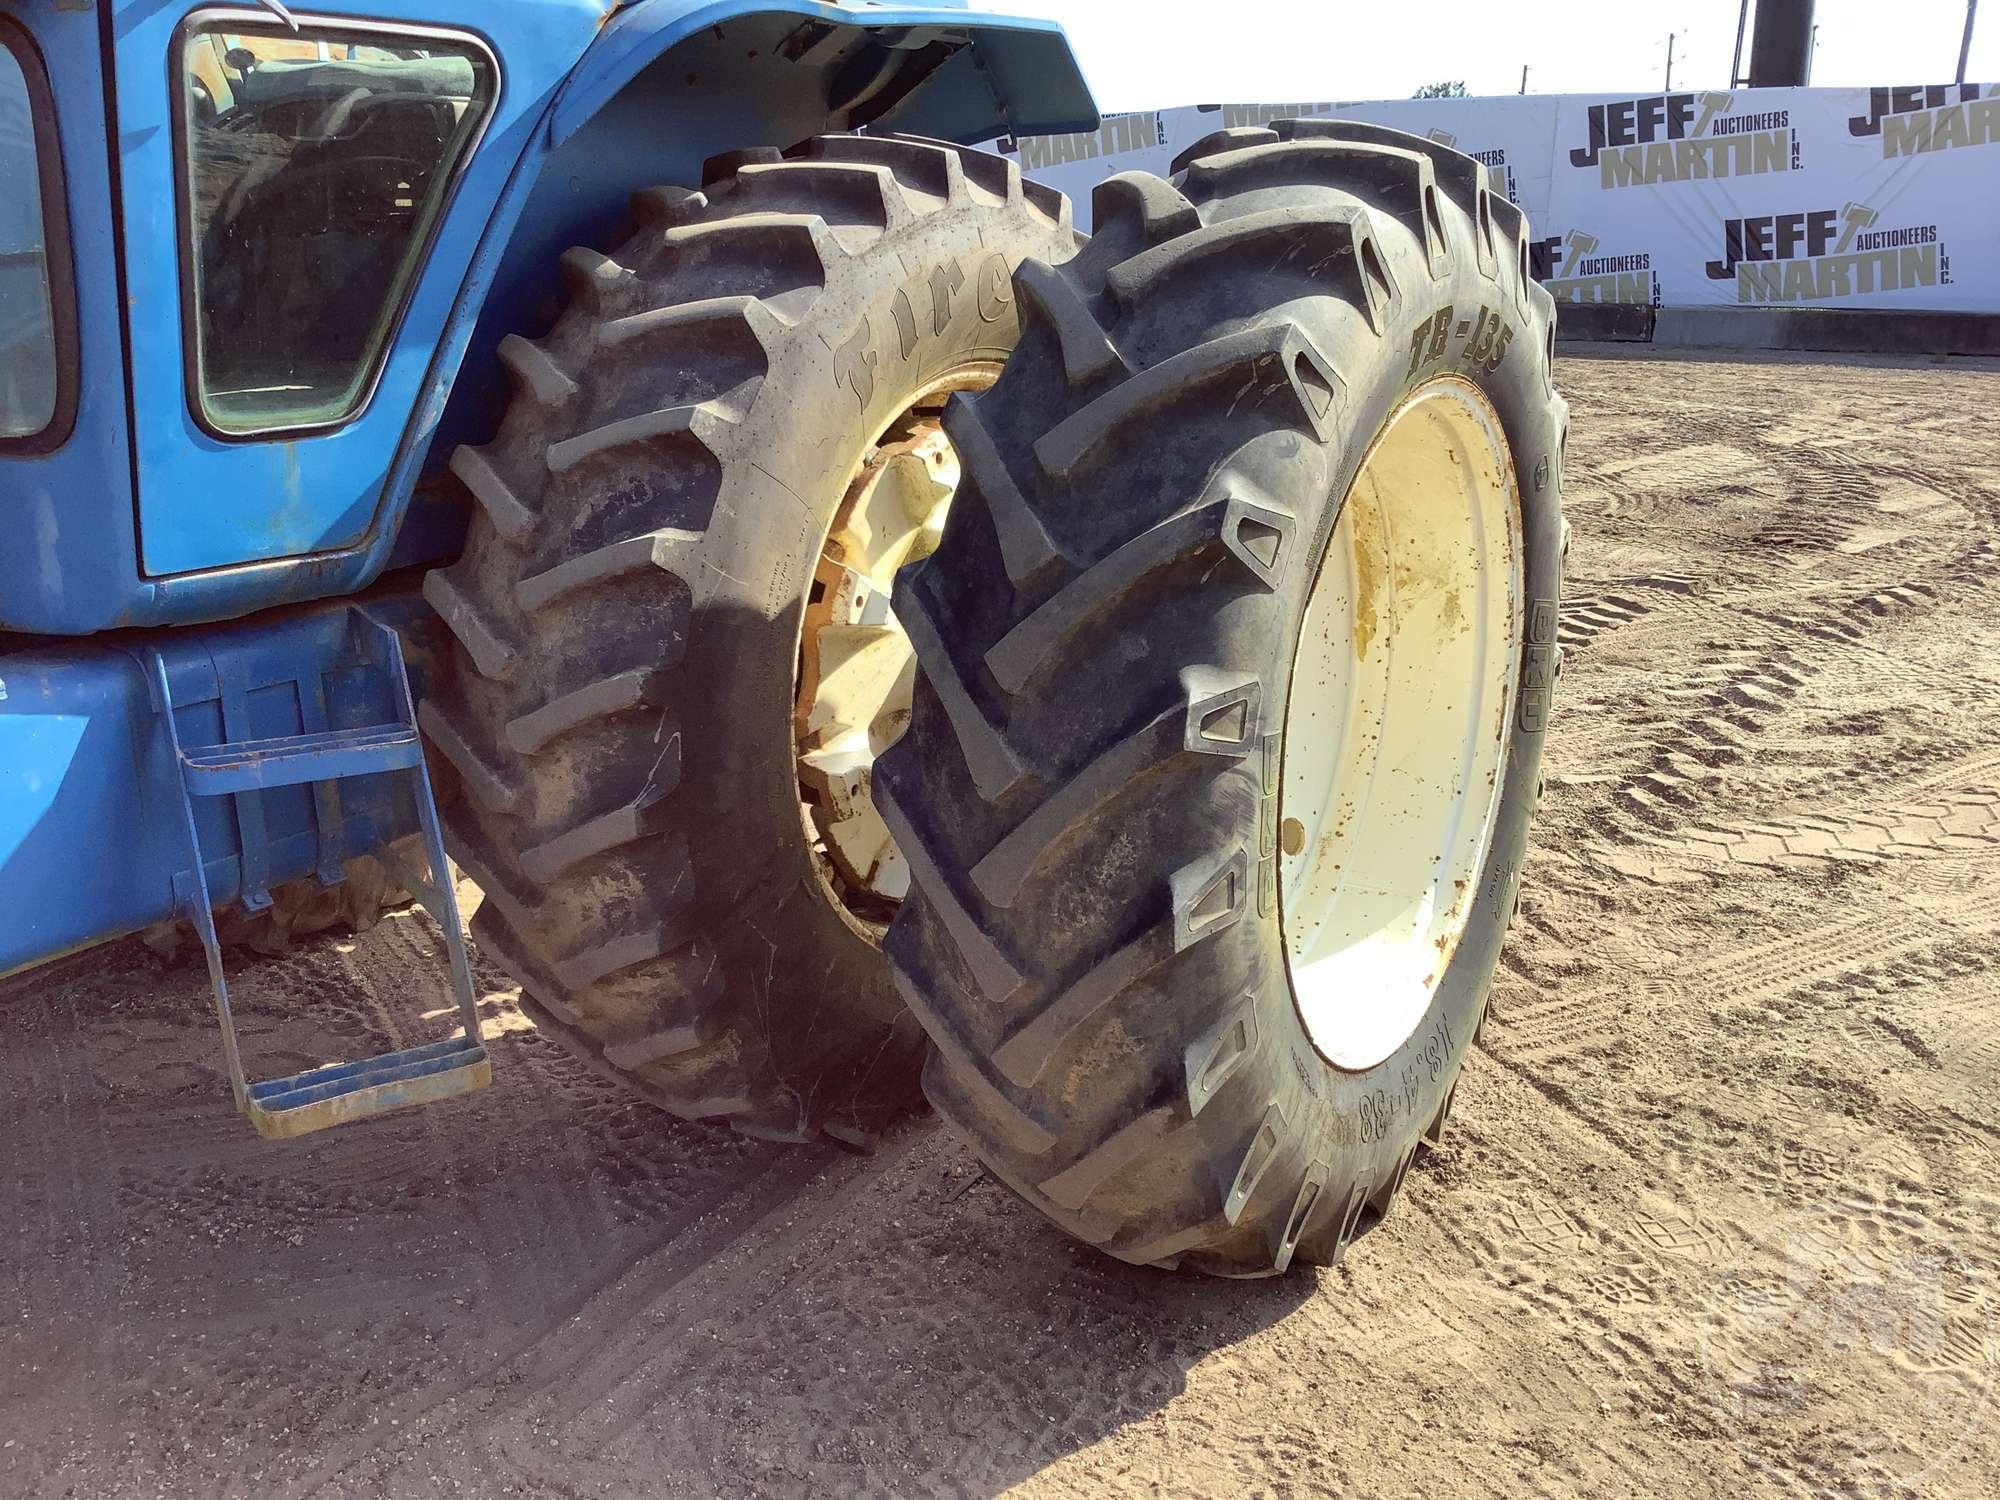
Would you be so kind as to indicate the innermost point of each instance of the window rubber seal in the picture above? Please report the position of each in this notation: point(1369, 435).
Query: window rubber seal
point(56, 255)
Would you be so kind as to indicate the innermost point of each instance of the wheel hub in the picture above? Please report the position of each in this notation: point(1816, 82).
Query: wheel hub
point(856, 666)
point(1397, 724)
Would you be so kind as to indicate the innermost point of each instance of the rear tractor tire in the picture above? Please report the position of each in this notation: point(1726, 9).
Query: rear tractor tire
point(674, 659)
point(1236, 674)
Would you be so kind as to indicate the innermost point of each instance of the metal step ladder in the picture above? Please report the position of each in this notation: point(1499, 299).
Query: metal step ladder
point(339, 1092)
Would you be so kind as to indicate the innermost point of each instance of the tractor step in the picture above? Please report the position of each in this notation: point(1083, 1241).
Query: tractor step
point(340, 1092)
point(295, 760)
point(321, 756)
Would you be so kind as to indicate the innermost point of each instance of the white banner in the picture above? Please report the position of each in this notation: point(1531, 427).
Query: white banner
point(1885, 197)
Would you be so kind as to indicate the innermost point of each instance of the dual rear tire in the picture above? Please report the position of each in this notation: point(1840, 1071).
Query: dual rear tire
point(1105, 792)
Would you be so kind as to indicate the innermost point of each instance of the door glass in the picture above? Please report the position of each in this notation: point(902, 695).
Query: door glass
point(317, 163)
point(27, 325)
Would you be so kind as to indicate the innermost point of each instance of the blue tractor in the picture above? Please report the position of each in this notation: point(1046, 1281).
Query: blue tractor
point(863, 638)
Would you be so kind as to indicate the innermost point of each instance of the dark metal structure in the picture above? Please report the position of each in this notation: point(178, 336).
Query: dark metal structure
point(1781, 44)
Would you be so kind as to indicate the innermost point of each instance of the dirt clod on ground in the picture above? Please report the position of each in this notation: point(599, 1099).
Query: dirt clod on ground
point(1718, 1216)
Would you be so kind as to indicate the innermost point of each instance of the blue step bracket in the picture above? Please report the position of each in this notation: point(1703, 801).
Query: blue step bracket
point(319, 758)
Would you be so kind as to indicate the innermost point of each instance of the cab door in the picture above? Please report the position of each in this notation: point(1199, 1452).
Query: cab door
point(302, 197)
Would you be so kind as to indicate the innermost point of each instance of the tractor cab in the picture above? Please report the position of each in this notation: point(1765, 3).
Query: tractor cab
point(255, 259)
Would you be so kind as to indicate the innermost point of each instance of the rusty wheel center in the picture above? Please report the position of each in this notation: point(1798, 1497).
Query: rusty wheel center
point(856, 666)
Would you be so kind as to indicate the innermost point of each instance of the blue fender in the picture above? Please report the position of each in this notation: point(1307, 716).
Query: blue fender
point(1027, 78)
point(1009, 75)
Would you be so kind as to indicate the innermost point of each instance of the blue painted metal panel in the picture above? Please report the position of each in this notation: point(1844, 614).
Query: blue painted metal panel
point(67, 551)
point(90, 812)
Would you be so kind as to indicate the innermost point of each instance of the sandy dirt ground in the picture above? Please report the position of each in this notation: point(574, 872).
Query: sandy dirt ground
point(1718, 1216)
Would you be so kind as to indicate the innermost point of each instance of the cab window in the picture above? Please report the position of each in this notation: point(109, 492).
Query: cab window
point(30, 366)
point(317, 164)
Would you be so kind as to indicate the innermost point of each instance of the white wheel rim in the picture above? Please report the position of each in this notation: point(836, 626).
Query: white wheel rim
point(1397, 724)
